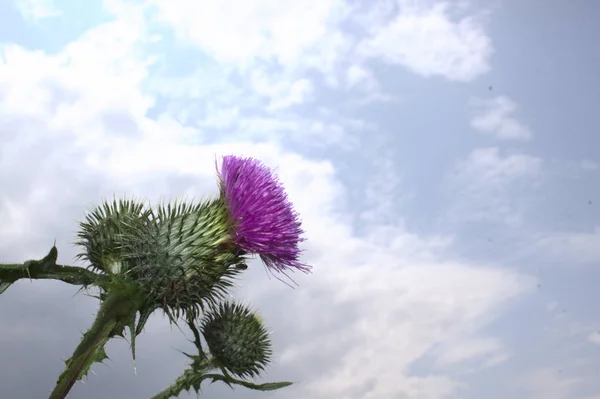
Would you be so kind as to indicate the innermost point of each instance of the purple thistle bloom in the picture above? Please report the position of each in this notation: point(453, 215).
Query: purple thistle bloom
point(264, 219)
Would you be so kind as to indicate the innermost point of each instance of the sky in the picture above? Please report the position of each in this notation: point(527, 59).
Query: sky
point(444, 156)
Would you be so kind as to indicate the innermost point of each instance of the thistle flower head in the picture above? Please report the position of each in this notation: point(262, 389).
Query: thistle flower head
point(237, 339)
point(177, 255)
point(264, 220)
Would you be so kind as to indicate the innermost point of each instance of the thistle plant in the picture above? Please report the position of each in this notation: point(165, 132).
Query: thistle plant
point(181, 258)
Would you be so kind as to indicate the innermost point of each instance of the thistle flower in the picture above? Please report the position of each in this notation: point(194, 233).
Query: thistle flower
point(182, 256)
point(177, 254)
point(237, 339)
point(263, 219)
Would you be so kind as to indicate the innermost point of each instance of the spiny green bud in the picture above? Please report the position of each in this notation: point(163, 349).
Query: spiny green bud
point(102, 233)
point(179, 256)
point(186, 258)
point(237, 339)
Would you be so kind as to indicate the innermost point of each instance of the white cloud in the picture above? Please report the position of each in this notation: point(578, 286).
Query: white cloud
point(37, 10)
point(257, 30)
point(273, 45)
point(595, 337)
point(486, 182)
point(486, 168)
point(546, 383)
point(425, 39)
point(267, 49)
point(494, 118)
point(362, 80)
point(401, 311)
point(359, 75)
point(382, 199)
point(587, 164)
point(570, 247)
point(489, 351)
point(283, 93)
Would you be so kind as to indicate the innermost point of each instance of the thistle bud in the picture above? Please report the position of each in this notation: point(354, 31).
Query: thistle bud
point(237, 339)
point(102, 233)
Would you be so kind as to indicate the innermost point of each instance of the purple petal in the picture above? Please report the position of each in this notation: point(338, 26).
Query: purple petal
point(265, 220)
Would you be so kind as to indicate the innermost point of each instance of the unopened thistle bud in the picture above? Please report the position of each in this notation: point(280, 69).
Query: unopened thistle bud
point(237, 339)
point(102, 233)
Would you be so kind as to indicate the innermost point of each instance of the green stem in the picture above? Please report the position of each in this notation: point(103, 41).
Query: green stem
point(116, 311)
point(192, 379)
point(10, 273)
point(46, 268)
point(188, 380)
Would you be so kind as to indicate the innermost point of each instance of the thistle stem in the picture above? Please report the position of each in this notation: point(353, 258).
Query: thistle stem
point(192, 378)
point(9, 273)
point(189, 379)
point(197, 340)
point(115, 312)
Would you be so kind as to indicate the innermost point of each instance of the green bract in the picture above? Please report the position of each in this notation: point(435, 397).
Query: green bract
point(105, 230)
point(237, 339)
point(179, 256)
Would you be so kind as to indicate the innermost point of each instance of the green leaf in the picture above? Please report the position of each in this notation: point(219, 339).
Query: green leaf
point(193, 377)
point(47, 269)
point(99, 357)
point(116, 312)
point(145, 313)
point(269, 386)
point(4, 285)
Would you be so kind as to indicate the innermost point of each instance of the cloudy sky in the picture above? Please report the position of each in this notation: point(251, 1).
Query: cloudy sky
point(444, 156)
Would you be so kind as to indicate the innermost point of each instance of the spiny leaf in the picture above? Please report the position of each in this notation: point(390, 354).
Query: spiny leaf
point(198, 371)
point(99, 357)
point(50, 259)
point(43, 266)
point(269, 386)
point(145, 313)
point(4, 285)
